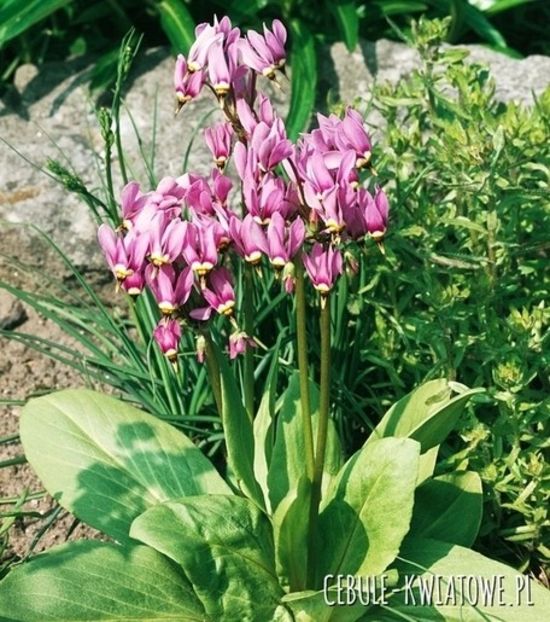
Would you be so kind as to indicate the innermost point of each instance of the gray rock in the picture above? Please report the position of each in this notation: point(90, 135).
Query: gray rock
point(54, 118)
point(353, 73)
point(12, 312)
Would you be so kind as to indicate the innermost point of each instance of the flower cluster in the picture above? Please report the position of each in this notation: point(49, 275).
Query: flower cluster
point(293, 203)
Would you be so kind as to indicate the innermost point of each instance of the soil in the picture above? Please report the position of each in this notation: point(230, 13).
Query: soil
point(24, 372)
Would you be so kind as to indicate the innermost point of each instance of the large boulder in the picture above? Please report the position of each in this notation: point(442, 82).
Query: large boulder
point(53, 117)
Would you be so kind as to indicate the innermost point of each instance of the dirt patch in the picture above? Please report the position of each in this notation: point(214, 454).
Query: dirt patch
point(24, 372)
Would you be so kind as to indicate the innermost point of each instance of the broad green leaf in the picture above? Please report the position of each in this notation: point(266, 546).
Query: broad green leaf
point(426, 464)
point(427, 414)
point(448, 508)
point(287, 461)
point(347, 19)
point(107, 462)
point(362, 526)
point(427, 565)
point(177, 23)
point(263, 426)
point(90, 581)
point(239, 436)
point(303, 83)
point(225, 547)
point(17, 17)
point(291, 532)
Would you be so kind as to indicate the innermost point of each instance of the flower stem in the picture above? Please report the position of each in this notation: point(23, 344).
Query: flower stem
point(213, 372)
point(248, 308)
point(321, 441)
point(301, 343)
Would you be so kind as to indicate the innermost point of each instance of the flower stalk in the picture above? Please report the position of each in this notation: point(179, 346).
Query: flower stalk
point(321, 439)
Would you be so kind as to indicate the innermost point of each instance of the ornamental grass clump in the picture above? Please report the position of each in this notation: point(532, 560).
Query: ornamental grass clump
point(285, 528)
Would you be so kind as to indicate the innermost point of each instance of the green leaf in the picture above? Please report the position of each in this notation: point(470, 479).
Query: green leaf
point(369, 512)
point(177, 23)
point(504, 5)
point(107, 462)
point(225, 546)
point(263, 428)
point(398, 7)
point(291, 532)
point(475, 19)
point(347, 19)
point(448, 508)
point(303, 83)
point(95, 581)
point(443, 564)
point(239, 436)
point(287, 461)
point(427, 414)
point(17, 17)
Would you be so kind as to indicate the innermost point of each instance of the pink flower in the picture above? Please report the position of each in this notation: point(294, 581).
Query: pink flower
point(222, 67)
point(187, 83)
point(206, 36)
point(167, 334)
point(167, 239)
point(239, 342)
point(200, 249)
point(264, 54)
point(125, 256)
point(353, 135)
point(323, 267)
point(170, 291)
point(270, 144)
point(265, 200)
point(132, 202)
point(284, 241)
point(376, 215)
point(249, 238)
point(218, 139)
point(219, 294)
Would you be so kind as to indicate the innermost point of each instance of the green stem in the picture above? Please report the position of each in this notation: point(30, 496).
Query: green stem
point(321, 441)
point(301, 343)
point(213, 372)
point(248, 309)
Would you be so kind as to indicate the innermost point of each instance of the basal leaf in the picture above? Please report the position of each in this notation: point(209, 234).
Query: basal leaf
point(225, 546)
point(291, 530)
point(287, 462)
point(263, 426)
point(93, 582)
point(239, 435)
point(369, 511)
point(448, 508)
point(107, 462)
point(17, 17)
point(347, 19)
point(177, 23)
point(427, 414)
point(484, 590)
point(303, 83)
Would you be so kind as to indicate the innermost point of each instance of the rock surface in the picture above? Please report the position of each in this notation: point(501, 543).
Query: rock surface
point(12, 312)
point(54, 119)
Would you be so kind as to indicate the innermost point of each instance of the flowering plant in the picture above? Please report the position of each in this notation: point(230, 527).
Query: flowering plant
point(292, 527)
